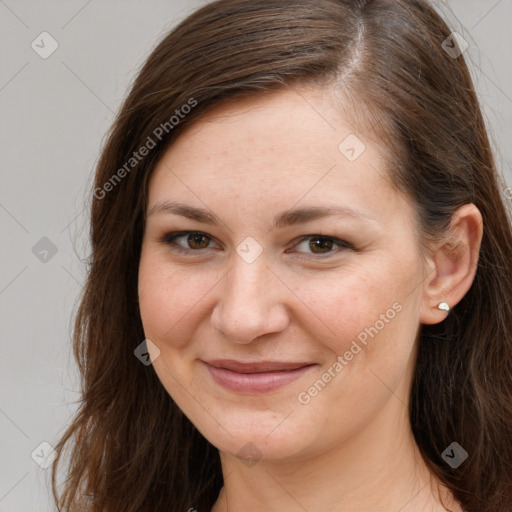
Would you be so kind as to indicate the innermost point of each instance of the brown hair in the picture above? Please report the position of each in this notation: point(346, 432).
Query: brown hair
point(132, 447)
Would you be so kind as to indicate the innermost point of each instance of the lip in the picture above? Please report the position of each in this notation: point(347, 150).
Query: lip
point(256, 377)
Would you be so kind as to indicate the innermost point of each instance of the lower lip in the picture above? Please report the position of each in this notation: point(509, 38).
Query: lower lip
point(255, 382)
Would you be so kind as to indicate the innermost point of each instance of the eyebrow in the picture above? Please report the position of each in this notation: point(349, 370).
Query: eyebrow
point(286, 218)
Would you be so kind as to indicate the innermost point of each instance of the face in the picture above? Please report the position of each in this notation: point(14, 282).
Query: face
point(279, 327)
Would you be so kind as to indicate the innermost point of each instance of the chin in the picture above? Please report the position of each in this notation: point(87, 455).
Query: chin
point(260, 436)
point(256, 446)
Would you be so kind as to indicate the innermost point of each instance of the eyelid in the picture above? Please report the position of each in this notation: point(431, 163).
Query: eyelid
point(337, 241)
point(169, 238)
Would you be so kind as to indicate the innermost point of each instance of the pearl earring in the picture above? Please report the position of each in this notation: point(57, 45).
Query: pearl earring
point(443, 306)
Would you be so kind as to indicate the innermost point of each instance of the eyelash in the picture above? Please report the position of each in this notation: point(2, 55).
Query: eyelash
point(169, 239)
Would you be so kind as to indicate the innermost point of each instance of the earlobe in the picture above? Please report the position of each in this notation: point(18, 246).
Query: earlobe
point(454, 263)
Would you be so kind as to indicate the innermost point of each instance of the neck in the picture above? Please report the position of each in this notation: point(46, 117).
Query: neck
point(379, 468)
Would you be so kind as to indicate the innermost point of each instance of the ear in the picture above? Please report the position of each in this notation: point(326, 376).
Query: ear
point(452, 264)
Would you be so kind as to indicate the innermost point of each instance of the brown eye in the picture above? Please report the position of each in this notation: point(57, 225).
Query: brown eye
point(193, 241)
point(320, 244)
point(198, 241)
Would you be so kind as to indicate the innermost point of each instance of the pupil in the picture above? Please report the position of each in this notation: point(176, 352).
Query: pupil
point(195, 238)
point(318, 243)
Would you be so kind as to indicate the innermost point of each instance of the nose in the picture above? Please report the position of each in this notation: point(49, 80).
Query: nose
point(251, 302)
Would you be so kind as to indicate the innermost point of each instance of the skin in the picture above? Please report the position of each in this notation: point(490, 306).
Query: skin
point(350, 448)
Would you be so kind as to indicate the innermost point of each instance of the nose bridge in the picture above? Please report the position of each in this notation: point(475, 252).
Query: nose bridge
point(250, 304)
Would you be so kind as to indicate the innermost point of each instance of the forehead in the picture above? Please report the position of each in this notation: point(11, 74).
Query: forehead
point(288, 125)
point(289, 145)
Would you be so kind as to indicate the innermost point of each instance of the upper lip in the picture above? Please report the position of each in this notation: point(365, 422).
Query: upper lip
point(256, 367)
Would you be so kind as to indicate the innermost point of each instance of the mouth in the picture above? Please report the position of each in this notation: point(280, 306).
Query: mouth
point(257, 377)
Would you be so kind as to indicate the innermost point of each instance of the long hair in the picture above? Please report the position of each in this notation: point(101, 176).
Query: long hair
point(130, 447)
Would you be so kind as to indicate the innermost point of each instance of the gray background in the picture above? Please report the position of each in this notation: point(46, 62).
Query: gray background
point(54, 116)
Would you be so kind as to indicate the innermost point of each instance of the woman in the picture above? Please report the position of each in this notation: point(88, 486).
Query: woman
point(299, 291)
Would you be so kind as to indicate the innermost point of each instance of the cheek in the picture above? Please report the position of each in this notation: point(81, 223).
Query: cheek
point(170, 297)
point(339, 307)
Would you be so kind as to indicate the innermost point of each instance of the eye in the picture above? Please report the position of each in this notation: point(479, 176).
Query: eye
point(195, 241)
point(321, 246)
